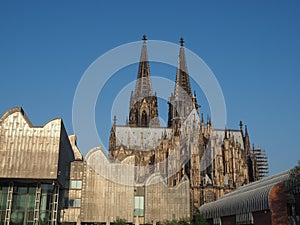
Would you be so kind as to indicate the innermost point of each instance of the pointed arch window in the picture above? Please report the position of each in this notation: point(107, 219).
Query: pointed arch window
point(136, 116)
point(144, 118)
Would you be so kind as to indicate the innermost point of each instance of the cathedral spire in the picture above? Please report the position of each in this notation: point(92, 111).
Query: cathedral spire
point(181, 101)
point(182, 77)
point(143, 110)
point(143, 84)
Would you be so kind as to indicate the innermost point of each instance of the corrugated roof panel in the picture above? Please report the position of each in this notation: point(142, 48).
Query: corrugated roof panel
point(248, 198)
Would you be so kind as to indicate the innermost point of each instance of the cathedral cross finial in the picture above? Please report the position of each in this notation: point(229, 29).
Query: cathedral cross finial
point(144, 38)
point(181, 42)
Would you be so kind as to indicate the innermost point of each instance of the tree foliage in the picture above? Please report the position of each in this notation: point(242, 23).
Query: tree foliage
point(293, 182)
point(120, 221)
point(197, 218)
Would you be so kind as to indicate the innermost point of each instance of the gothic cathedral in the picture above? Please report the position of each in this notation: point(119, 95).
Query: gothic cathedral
point(215, 161)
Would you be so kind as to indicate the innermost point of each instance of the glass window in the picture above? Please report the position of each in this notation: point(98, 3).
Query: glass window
point(44, 202)
point(75, 184)
point(22, 190)
point(2, 217)
point(3, 198)
point(31, 202)
point(77, 202)
point(17, 217)
point(44, 217)
point(23, 203)
point(32, 190)
point(144, 118)
point(74, 202)
point(138, 205)
point(19, 201)
point(47, 188)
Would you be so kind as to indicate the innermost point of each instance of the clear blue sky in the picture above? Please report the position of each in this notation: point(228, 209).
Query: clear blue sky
point(253, 48)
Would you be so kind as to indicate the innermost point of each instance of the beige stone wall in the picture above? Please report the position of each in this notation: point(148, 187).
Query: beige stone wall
point(166, 203)
point(104, 199)
point(28, 151)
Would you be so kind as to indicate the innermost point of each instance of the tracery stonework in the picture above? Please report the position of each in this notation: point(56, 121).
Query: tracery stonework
point(176, 151)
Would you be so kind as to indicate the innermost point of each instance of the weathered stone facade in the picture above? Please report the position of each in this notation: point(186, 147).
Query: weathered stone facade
point(216, 161)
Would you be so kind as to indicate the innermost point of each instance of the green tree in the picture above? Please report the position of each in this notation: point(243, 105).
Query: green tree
point(120, 221)
point(197, 218)
point(170, 222)
point(184, 221)
point(293, 182)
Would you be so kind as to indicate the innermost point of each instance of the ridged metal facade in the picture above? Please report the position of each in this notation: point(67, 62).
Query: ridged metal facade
point(34, 167)
point(249, 198)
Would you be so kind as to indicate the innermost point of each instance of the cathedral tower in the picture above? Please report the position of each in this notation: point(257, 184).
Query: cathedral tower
point(143, 110)
point(182, 102)
point(215, 161)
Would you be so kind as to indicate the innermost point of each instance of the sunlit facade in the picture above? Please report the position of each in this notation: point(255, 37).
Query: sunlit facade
point(45, 180)
point(34, 169)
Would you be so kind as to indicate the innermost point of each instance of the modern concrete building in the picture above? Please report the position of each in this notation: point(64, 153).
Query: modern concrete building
point(45, 180)
point(34, 169)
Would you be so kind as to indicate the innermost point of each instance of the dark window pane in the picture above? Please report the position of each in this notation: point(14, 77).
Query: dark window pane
point(22, 190)
point(32, 190)
point(47, 188)
point(31, 202)
point(30, 215)
point(44, 217)
point(17, 217)
point(3, 198)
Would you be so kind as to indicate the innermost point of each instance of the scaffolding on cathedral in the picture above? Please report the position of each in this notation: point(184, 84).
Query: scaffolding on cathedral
point(262, 161)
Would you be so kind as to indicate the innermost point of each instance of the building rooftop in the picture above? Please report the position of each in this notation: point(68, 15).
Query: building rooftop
point(248, 198)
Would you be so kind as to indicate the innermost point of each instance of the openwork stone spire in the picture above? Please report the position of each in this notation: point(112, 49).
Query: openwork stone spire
point(182, 77)
point(143, 84)
point(143, 110)
point(181, 101)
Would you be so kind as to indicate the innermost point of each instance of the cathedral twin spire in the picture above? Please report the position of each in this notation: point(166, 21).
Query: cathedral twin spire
point(143, 104)
point(182, 77)
point(181, 101)
point(143, 85)
point(143, 110)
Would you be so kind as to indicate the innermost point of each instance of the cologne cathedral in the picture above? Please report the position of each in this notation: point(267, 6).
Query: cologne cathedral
point(215, 161)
